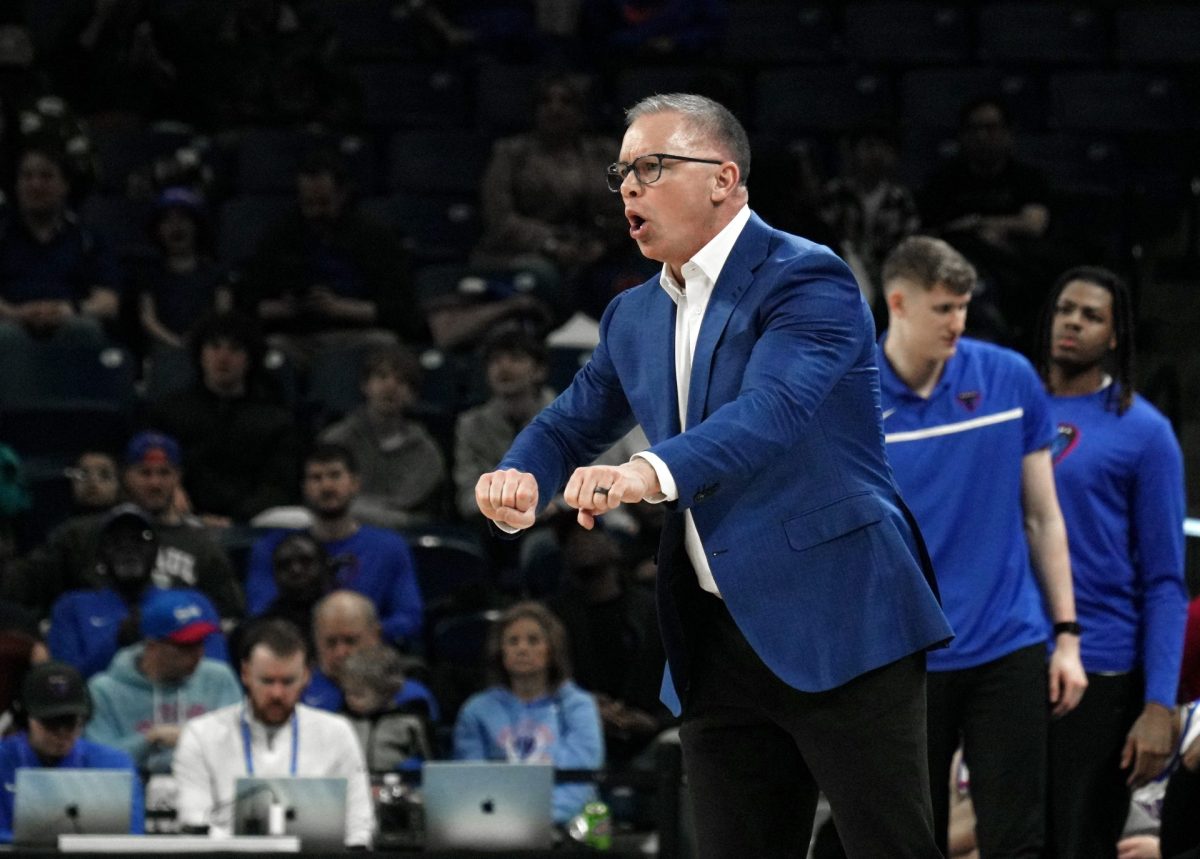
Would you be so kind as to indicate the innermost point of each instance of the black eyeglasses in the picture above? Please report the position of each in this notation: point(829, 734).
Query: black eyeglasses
point(647, 169)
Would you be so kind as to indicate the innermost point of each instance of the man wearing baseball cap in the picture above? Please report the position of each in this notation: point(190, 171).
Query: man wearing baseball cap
point(52, 709)
point(87, 626)
point(151, 475)
point(151, 688)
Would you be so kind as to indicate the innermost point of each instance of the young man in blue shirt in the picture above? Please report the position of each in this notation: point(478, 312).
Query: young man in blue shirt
point(1119, 473)
point(54, 705)
point(968, 434)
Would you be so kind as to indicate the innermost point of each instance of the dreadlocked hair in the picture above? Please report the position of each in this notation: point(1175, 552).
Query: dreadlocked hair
point(1120, 395)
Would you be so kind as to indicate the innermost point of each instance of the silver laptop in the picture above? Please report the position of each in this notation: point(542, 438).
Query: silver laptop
point(54, 802)
point(486, 805)
point(313, 809)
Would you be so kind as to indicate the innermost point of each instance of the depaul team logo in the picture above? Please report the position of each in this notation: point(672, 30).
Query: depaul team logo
point(1064, 442)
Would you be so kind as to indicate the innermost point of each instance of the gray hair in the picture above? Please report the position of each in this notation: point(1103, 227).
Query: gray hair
point(928, 262)
point(380, 668)
point(709, 118)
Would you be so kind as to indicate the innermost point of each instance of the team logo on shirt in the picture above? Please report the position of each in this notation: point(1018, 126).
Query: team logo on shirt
point(970, 400)
point(1064, 442)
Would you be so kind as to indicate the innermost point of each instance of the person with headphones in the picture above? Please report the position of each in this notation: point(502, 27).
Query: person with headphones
point(52, 709)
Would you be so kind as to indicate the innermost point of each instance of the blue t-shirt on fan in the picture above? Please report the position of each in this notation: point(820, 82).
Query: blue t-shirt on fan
point(957, 457)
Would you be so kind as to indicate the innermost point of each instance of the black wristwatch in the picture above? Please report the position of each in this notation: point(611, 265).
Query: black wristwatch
point(1070, 627)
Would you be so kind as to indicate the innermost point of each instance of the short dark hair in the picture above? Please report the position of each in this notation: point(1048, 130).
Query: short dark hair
point(399, 359)
point(234, 327)
point(49, 148)
point(559, 669)
point(708, 117)
point(928, 262)
point(281, 637)
point(324, 160)
point(328, 451)
point(974, 104)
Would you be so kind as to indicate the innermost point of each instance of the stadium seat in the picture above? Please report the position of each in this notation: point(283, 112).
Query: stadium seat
point(821, 99)
point(437, 160)
point(1157, 34)
point(1041, 33)
point(634, 84)
point(400, 96)
point(434, 227)
point(460, 639)
point(267, 159)
point(1121, 101)
point(448, 566)
point(1076, 162)
point(370, 30)
point(122, 221)
point(333, 390)
point(777, 33)
point(242, 222)
point(505, 96)
point(122, 151)
point(907, 32)
point(38, 375)
point(933, 98)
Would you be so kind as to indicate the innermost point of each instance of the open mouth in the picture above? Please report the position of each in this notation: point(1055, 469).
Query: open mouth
point(637, 226)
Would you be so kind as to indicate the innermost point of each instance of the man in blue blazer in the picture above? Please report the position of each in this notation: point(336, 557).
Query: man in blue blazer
point(795, 595)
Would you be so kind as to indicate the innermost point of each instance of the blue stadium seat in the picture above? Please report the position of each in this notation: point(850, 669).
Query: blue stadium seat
point(370, 29)
point(122, 151)
point(43, 374)
point(333, 390)
point(437, 160)
point(446, 565)
point(242, 222)
point(821, 99)
point(1078, 163)
point(907, 32)
point(1121, 101)
point(267, 159)
point(57, 430)
point(933, 98)
point(458, 640)
point(1156, 34)
point(778, 32)
point(400, 96)
point(1041, 33)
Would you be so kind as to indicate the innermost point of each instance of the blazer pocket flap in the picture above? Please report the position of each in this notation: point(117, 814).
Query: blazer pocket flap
point(832, 521)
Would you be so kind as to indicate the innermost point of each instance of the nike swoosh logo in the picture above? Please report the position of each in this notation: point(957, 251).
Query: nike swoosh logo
point(888, 413)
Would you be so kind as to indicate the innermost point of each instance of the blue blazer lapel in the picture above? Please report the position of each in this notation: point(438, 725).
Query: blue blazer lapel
point(737, 274)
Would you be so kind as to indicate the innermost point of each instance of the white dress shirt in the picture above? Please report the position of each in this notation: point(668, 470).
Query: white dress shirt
point(700, 275)
point(210, 756)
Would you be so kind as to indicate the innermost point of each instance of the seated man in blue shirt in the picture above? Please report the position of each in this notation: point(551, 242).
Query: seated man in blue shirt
point(54, 705)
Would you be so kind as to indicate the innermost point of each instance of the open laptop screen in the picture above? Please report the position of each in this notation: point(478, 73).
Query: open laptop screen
point(314, 809)
point(487, 805)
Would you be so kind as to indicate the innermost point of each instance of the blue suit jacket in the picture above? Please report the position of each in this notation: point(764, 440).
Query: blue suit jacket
point(782, 465)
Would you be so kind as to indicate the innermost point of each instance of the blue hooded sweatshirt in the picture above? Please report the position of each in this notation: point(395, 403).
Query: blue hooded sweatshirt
point(126, 703)
point(563, 729)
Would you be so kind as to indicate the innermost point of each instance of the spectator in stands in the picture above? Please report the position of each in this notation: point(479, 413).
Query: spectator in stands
point(87, 627)
point(968, 429)
point(655, 28)
point(95, 486)
point(269, 734)
point(54, 705)
point(542, 206)
point(612, 630)
point(345, 622)
point(151, 688)
point(187, 555)
point(533, 712)
point(868, 209)
point(515, 363)
point(372, 561)
point(995, 210)
point(402, 467)
point(303, 573)
point(1119, 474)
point(182, 283)
point(21, 646)
point(241, 448)
point(393, 735)
point(327, 276)
point(58, 278)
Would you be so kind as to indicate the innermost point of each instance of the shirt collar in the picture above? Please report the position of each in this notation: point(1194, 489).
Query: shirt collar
point(711, 258)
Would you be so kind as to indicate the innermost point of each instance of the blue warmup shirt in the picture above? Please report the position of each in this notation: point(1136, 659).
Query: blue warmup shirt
point(16, 753)
point(957, 457)
point(375, 562)
point(1120, 486)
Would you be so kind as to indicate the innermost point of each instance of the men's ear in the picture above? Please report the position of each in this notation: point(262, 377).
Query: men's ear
point(726, 181)
point(895, 300)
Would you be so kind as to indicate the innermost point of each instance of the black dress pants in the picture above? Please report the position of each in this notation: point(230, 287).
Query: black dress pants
point(756, 751)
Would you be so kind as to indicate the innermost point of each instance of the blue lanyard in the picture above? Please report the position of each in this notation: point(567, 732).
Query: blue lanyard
point(246, 744)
